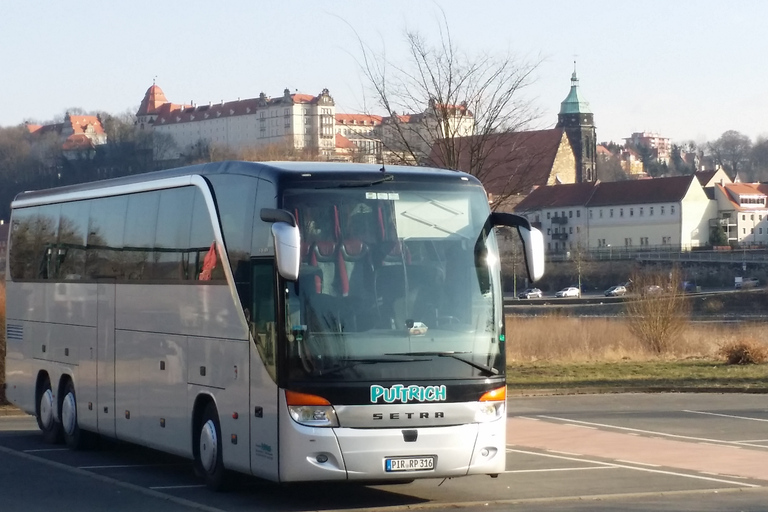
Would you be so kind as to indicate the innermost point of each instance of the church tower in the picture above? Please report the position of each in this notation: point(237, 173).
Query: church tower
point(577, 120)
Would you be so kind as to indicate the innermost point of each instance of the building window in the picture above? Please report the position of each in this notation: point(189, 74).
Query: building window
point(549, 231)
point(743, 231)
point(631, 212)
point(611, 212)
point(548, 215)
point(662, 210)
point(627, 242)
point(672, 209)
point(570, 230)
point(537, 218)
point(665, 240)
point(644, 240)
point(563, 213)
point(641, 211)
point(743, 217)
point(601, 213)
point(549, 246)
point(578, 229)
point(590, 214)
point(752, 217)
point(621, 212)
point(570, 214)
point(651, 211)
point(578, 214)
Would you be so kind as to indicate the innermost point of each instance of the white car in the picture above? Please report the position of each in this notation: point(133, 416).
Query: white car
point(571, 291)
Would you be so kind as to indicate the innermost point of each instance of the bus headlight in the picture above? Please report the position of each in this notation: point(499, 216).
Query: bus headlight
point(489, 411)
point(310, 410)
point(491, 405)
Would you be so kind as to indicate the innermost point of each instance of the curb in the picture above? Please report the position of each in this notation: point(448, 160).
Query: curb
point(11, 410)
point(517, 392)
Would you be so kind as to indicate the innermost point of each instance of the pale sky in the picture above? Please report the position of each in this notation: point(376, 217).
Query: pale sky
point(688, 70)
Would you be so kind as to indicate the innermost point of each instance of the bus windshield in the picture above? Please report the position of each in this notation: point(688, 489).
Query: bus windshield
point(397, 280)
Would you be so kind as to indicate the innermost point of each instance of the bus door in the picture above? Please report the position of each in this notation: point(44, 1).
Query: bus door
point(105, 351)
point(263, 392)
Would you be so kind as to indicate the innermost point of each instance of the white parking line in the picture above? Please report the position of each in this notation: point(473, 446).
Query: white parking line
point(123, 466)
point(638, 463)
point(624, 466)
point(726, 415)
point(171, 487)
point(554, 469)
point(652, 432)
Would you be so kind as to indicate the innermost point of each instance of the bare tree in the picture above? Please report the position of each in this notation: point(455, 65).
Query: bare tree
point(732, 151)
point(447, 108)
point(661, 310)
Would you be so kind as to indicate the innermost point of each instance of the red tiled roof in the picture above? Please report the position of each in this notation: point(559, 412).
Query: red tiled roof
point(303, 98)
point(343, 143)
point(77, 141)
point(81, 123)
point(656, 190)
point(153, 99)
point(361, 119)
point(514, 162)
point(602, 150)
point(569, 194)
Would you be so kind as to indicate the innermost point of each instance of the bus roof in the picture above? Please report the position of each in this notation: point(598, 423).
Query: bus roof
point(273, 171)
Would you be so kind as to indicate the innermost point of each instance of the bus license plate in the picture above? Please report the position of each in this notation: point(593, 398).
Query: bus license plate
point(409, 464)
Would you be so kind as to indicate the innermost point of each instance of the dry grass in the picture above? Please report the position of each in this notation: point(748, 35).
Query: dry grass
point(744, 351)
point(578, 340)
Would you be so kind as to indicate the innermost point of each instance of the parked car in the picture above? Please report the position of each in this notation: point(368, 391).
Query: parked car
point(653, 289)
point(530, 293)
point(616, 291)
point(747, 282)
point(570, 291)
point(689, 287)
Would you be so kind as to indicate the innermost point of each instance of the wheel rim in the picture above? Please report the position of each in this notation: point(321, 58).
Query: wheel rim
point(69, 413)
point(46, 409)
point(208, 446)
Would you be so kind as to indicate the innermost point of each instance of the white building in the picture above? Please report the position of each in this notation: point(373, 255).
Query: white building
point(743, 214)
point(630, 215)
point(299, 121)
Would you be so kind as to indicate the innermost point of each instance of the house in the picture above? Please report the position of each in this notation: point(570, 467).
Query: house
point(742, 212)
point(560, 212)
point(78, 136)
point(672, 212)
point(363, 131)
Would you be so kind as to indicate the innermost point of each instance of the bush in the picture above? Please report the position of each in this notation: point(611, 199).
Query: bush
point(744, 352)
point(659, 312)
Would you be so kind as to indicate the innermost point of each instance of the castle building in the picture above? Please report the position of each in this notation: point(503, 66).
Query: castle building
point(577, 120)
point(298, 121)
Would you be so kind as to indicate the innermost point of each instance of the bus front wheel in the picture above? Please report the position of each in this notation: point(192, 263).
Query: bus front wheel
point(46, 413)
point(208, 458)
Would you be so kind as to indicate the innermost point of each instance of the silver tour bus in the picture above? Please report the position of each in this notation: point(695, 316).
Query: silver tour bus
point(292, 321)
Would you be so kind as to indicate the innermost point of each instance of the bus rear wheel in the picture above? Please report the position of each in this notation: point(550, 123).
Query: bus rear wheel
point(75, 438)
point(46, 413)
point(208, 457)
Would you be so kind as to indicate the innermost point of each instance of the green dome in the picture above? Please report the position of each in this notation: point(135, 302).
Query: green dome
point(574, 103)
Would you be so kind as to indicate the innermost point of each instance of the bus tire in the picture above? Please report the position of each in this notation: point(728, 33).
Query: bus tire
point(75, 438)
point(46, 413)
point(208, 457)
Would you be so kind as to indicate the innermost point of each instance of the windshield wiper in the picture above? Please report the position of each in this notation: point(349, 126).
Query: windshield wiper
point(388, 177)
point(453, 354)
point(355, 362)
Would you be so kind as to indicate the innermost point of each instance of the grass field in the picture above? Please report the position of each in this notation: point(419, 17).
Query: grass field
point(570, 354)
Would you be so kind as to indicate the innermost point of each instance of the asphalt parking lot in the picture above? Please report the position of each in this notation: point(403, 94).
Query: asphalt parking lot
point(587, 452)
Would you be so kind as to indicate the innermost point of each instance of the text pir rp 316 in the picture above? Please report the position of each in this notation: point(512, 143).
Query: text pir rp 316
point(293, 321)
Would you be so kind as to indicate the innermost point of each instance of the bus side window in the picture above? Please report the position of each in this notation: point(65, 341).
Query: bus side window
point(263, 314)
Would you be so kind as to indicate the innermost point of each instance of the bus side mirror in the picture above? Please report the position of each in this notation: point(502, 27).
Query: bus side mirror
point(533, 241)
point(287, 239)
